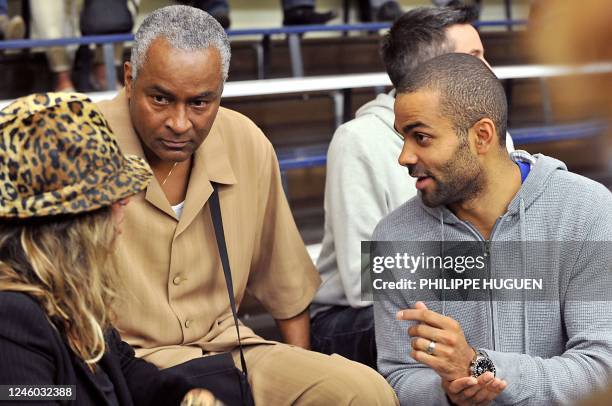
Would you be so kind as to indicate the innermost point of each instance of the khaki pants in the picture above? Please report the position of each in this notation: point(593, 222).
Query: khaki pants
point(286, 375)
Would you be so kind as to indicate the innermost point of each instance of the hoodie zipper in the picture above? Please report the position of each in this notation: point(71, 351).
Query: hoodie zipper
point(487, 244)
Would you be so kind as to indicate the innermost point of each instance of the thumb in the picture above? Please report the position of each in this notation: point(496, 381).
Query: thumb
point(420, 306)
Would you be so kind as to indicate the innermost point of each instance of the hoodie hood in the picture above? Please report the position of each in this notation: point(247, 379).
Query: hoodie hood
point(381, 107)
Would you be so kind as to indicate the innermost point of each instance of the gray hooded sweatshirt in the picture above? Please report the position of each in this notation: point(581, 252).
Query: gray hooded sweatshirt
point(549, 351)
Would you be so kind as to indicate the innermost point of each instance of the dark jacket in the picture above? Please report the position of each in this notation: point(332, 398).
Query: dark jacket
point(33, 352)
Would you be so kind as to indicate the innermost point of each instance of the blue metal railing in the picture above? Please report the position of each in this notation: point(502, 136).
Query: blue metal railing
point(47, 43)
point(560, 132)
point(293, 33)
point(301, 29)
point(316, 155)
point(302, 157)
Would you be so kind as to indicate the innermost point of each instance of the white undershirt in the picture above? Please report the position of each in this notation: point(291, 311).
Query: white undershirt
point(178, 209)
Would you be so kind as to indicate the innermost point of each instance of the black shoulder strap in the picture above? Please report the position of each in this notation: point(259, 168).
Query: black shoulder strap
point(215, 212)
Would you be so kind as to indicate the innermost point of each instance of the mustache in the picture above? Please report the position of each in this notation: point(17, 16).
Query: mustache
point(417, 171)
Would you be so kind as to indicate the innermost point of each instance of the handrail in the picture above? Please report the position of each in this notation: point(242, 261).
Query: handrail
point(300, 29)
point(301, 157)
point(249, 88)
point(303, 29)
point(56, 42)
point(263, 87)
point(558, 132)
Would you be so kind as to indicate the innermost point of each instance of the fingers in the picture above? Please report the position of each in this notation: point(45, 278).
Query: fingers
point(422, 344)
point(425, 331)
point(429, 360)
point(474, 391)
point(499, 385)
point(483, 380)
point(424, 315)
point(486, 395)
point(445, 369)
point(431, 334)
point(491, 391)
point(460, 385)
point(493, 384)
point(487, 389)
point(420, 306)
point(438, 349)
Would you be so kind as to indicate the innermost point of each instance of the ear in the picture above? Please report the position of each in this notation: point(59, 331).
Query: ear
point(128, 79)
point(485, 135)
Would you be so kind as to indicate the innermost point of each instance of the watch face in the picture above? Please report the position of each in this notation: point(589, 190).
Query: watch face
point(482, 365)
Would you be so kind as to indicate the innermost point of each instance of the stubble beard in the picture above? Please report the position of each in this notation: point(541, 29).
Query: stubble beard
point(462, 179)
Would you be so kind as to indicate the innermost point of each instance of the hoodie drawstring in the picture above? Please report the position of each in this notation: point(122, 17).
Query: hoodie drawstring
point(524, 271)
point(441, 255)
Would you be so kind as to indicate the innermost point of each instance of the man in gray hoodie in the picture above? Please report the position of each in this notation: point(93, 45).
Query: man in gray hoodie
point(552, 348)
point(364, 181)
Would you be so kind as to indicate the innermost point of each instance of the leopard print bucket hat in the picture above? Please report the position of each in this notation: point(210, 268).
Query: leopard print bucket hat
point(59, 156)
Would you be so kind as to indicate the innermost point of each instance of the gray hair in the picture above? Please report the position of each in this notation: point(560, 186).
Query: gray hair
point(185, 28)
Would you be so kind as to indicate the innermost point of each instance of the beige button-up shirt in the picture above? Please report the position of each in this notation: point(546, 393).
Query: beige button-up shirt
point(175, 305)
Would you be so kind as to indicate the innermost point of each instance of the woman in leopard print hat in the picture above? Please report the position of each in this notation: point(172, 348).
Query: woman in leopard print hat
point(63, 184)
point(58, 156)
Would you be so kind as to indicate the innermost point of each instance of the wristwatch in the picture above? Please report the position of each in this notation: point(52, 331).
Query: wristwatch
point(481, 363)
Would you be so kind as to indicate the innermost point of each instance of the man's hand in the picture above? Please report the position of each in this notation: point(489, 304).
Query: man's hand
point(474, 391)
point(452, 355)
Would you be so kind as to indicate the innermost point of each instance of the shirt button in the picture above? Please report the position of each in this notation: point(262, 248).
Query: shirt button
point(187, 323)
point(177, 280)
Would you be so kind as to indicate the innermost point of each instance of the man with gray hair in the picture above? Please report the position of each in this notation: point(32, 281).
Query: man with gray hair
point(179, 310)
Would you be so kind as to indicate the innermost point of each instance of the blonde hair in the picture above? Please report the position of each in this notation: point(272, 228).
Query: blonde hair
point(65, 262)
